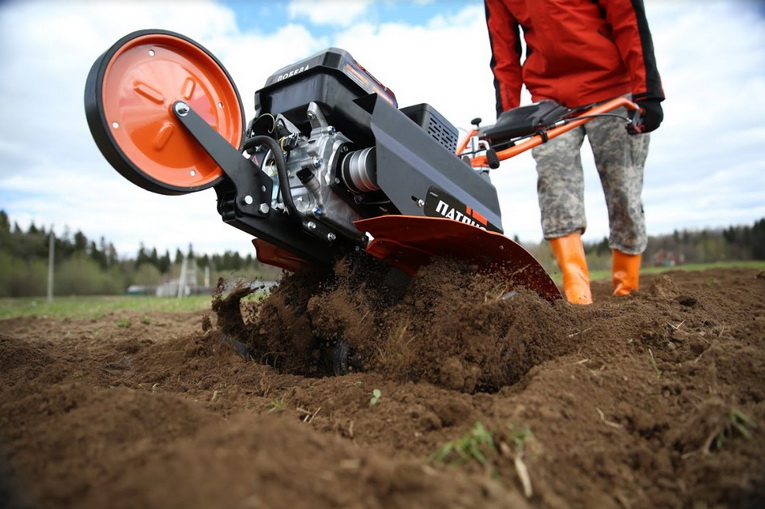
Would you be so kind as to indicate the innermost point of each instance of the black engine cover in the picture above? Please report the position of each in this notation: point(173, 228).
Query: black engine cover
point(414, 147)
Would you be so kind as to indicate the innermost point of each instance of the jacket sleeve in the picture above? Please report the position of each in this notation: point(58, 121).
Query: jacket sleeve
point(505, 44)
point(633, 39)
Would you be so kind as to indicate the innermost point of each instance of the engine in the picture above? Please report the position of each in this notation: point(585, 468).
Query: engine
point(348, 152)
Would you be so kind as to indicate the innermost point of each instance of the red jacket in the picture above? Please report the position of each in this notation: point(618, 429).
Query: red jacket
point(578, 51)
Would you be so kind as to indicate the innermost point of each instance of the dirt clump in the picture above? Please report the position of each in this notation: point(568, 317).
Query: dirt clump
point(450, 325)
point(461, 392)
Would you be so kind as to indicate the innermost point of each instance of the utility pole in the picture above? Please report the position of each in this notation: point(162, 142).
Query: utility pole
point(182, 279)
point(51, 258)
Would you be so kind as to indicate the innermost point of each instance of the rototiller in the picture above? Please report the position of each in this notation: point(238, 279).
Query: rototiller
point(328, 165)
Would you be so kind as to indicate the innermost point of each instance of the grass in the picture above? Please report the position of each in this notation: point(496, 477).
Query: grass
point(470, 447)
point(596, 275)
point(654, 365)
point(736, 424)
point(96, 307)
point(276, 405)
point(124, 323)
point(519, 436)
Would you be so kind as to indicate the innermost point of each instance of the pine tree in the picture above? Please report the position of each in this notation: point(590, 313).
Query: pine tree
point(758, 240)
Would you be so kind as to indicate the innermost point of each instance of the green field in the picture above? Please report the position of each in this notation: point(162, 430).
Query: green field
point(94, 307)
point(596, 275)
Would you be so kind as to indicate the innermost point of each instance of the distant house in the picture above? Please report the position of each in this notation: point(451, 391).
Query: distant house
point(139, 290)
point(188, 284)
point(667, 258)
point(257, 286)
point(170, 289)
point(183, 286)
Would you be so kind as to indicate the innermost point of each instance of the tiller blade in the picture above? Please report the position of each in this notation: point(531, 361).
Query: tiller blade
point(409, 242)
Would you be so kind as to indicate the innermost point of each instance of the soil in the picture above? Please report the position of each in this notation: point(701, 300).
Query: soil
point(459, 393)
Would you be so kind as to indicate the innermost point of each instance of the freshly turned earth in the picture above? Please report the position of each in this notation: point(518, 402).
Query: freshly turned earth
point(652, 400)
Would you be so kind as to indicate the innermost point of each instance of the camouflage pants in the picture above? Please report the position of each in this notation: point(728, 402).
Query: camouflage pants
point(619, 158)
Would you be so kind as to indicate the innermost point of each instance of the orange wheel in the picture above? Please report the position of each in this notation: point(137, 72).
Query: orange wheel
point(129, 96)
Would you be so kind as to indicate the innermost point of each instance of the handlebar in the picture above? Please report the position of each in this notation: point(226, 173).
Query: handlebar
point(635, 125)
point(522, 144)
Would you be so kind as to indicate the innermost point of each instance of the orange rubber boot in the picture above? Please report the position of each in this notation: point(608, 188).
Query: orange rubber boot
point(626, 272)
point(569, 253)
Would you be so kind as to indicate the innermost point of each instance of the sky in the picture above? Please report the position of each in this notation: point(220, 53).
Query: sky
point(706, 167)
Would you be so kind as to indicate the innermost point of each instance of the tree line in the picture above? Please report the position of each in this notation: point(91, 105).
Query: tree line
point(84, 266)
point(705, 246)
point(734, 243)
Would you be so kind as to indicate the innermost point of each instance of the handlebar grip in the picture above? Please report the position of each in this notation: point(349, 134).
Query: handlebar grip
point(492, 159)
point(635, 125)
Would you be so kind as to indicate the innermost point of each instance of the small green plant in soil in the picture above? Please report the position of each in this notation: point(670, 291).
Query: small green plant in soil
point(736, 424)
point(473, 446)
point(123, 323)
point(276, 405)
point(519, 436)
point(654, 365)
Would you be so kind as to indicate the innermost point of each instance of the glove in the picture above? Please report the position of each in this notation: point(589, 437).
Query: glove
point(652, 114)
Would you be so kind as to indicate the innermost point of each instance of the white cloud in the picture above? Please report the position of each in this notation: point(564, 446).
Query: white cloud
point(329, 12)
point(706, 163)
point(445, 64)
point(250, 63)
point(51, 171)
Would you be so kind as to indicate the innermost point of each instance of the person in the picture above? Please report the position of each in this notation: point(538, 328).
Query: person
point(579, 53)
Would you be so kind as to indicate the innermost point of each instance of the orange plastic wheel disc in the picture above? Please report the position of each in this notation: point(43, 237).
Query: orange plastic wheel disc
point(129, 99)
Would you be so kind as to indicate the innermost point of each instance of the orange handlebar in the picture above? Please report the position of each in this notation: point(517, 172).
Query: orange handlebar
point(538, 139)
point(461, 148)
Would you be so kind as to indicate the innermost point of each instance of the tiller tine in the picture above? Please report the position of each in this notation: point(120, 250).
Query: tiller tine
point(409, 242)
